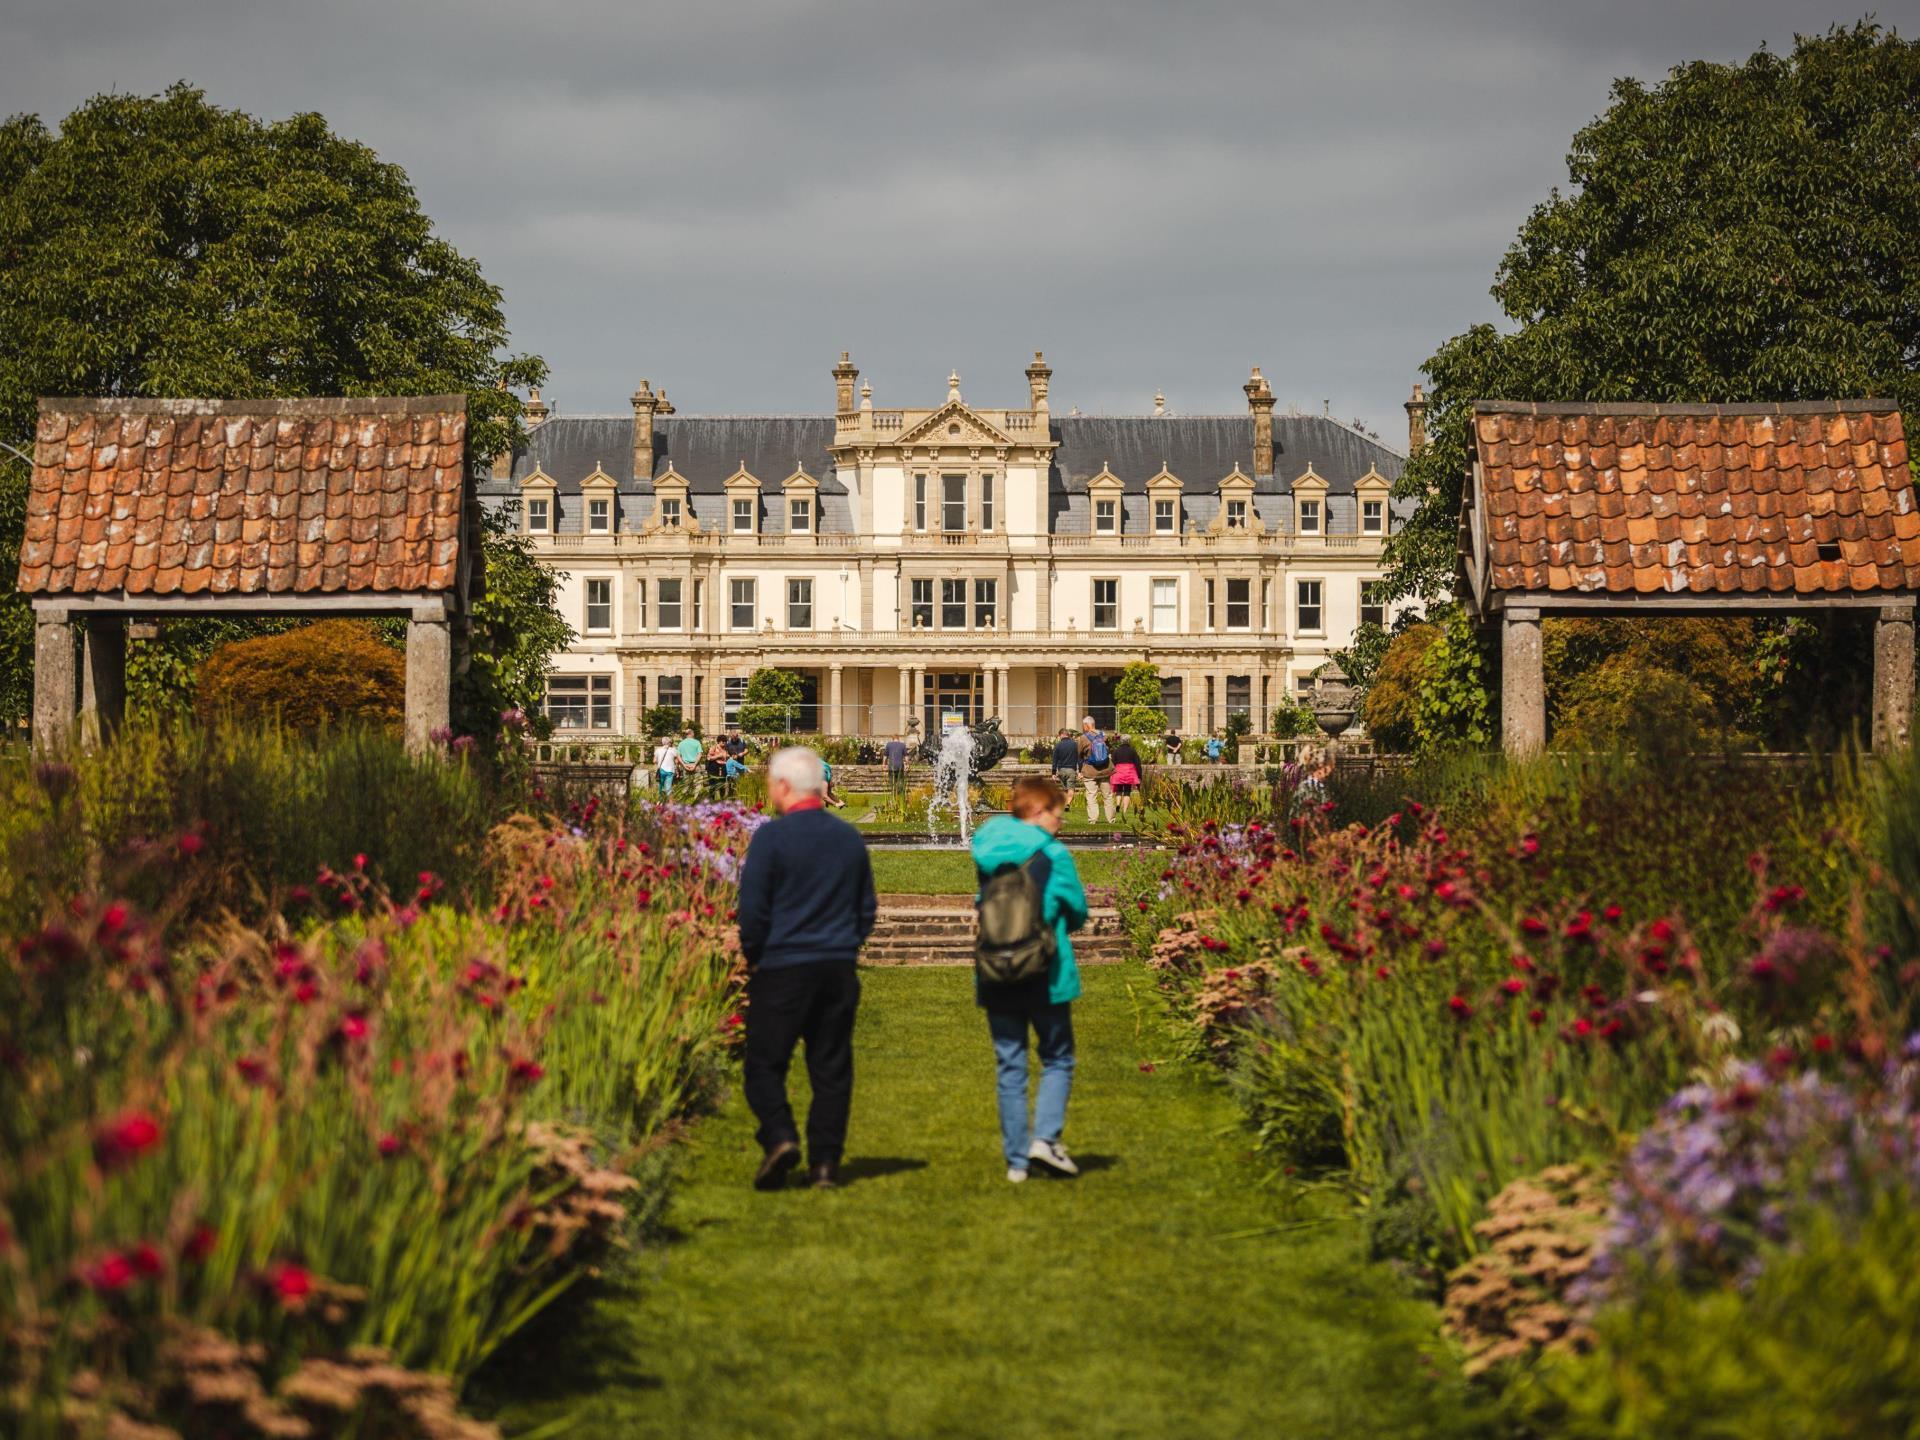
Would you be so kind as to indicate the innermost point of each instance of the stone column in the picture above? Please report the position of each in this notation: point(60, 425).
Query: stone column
point(1893, 677)
point(429, 676)
point(1003, 688)
point(906, 700)
point(989, 677)
point(103, 701)
point(56, 667)
point(866, 593)
point(835, 723)
point(917, 704)
point(1523, 682)
point(1072, 718)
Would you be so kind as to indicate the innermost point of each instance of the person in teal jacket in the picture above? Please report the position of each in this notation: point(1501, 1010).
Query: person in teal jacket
point(1044, 1005)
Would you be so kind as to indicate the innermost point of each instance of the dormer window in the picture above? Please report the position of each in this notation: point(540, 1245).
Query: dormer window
point(1373, 517)
point(1236, 514)
point(799, 515)
point(539, 515)
point(743, 516)
point(599, 516)
point(1166, 517)
point(1106, 517)
point(1309, 517)
point(670, 512)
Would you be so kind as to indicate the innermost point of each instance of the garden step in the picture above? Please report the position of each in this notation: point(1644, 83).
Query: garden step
point(938, 930)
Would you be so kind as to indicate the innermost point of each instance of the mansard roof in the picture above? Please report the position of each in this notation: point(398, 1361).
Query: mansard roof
point(1199, 449)
point(1202, 449)
point(705, 449)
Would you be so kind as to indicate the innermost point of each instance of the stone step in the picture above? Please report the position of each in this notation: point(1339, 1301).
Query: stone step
point(938, 930)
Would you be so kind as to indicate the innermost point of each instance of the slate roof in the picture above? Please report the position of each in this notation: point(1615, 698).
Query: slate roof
point(1810, 498)
point(705, 449)
point(1200, 449)
point(164, 497)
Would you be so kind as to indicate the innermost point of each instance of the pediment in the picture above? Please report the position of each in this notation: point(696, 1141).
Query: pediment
point(955, 423)
point(1237, 481)
point(670, 479)
point(599, 479)
point(1164, 481)
point(1311, 482)
point(800, 480)
point(1106, 482)
point(538, 480)
point(1372, 482)
point(743, 479)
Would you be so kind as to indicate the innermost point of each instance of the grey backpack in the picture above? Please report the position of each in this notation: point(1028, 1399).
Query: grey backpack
point(1013, 943)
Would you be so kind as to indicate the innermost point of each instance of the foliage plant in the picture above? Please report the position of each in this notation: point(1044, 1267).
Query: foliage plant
point(323, 674)
point(1454, 707)
point(1136, 697)
point(772, 701)
point(402, 1121)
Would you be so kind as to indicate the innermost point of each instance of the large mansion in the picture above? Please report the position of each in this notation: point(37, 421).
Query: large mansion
point(919, 562)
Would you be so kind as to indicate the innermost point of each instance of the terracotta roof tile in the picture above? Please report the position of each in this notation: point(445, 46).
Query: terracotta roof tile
point(1812, 498)
point(211, 496)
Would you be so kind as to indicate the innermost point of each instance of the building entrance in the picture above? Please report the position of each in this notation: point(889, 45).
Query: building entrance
point(1100, 701)
point(951, 693)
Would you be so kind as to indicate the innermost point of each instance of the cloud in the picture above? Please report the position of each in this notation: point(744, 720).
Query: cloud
point(722, 196)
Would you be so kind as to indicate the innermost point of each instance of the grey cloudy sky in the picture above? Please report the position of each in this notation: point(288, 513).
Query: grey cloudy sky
point(721, 196)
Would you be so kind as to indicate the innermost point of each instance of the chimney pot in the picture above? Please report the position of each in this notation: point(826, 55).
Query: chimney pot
point(1416, 421)
point(1039, 380)
point(1260, 406)
point(844, 374)
point(645, 405)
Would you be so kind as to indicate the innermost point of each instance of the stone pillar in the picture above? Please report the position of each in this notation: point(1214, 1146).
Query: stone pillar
point(429, 676)
point(899, 724)
point(56, 667)
point(1003, 689)
point(835, 722)
point(1523, 682)
point(990, 704)
point(103, 701)
point(917, 701)
point(1893, 677)
point(1072, 718)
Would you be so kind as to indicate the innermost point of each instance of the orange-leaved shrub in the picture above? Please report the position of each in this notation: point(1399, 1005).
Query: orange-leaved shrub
point(308, 678)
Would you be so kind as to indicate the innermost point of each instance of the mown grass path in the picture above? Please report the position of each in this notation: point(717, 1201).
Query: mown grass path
point(1156, 1296)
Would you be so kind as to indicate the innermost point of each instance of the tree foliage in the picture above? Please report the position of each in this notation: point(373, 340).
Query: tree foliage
point(773, 701)
point(517, 630)
point(306, 679)
point(1391, 706)
point(1136, 698)
point(163, 246)
point(1455, 706)
point(1734, 233)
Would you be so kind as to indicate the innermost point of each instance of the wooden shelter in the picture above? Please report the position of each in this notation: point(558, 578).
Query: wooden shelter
point(1624, 509)
point(144, 511)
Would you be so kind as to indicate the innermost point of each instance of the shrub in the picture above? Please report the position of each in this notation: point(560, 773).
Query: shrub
point(1136, 696)
point(1392, 705)
point(772, 704)
point(306, 679)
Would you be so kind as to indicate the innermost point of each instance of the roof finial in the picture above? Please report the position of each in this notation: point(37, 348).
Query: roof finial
point(1159, 403)
point(953, 385)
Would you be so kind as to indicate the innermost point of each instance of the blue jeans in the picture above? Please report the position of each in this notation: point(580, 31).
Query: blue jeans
point(1053, 1037)
point(665, 777)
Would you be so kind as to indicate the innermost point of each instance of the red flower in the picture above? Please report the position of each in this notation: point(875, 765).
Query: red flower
point(390, 1146)
point(1534, 925)
point(1514, 986)
point(1823, 1043)
point(360, 861)
point(1784, 897)
point(1535, 1016)
point(114, 918)
point(353, 1027)
point(190, 844)
point(252, 1069)
point(526, 1071)
point(199, 1245)
point(146, 1260)
point(291, 1284)
point(1583, 1026)
point(125, 1139)
point(1146, 1067)
point(1460, 1006)
point(736, 1020)
point(110, 1273)
point(1530, 845)
point(1141, 904)
point(1661, 931)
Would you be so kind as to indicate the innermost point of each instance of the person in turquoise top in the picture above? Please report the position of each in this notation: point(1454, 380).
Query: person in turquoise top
point(690, 750)
point(1045, 1005)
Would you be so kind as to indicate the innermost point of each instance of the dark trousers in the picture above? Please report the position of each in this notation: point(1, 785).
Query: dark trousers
point(815, 1003)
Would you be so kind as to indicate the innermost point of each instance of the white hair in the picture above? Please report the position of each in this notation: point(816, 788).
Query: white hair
point(800, 768)
point(1086, 722)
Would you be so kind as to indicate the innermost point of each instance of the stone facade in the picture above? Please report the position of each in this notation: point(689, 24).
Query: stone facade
point(910, 563)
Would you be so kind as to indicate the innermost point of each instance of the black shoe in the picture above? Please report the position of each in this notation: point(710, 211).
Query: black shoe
point(772, 1173)
point(824, 1176)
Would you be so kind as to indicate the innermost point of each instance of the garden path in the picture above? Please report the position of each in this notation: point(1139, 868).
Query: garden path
point(1163, 1294)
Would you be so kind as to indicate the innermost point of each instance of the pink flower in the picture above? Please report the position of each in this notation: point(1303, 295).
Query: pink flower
point(110, 1273)
point(353, 1027)
point(113, 919)
point(1461, 1007)
point(189, 844)
point(390, 1146)
point(146, 1260)
point(291, 1284)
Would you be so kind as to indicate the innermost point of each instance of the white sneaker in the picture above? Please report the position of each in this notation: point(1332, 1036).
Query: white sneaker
point(1016, 1174)
point(1053, 1155)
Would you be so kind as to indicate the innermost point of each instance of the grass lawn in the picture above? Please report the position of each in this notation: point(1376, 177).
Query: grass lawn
point(950, 872)
point(1163, 1294)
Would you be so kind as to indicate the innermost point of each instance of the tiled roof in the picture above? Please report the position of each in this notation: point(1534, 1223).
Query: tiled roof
point(1809, 498)
point(163, 497)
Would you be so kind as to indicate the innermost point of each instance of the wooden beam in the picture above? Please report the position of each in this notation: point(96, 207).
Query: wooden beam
point(1555, 602)
point(415, 604)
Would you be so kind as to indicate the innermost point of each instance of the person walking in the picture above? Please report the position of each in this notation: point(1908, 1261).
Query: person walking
point(806, 905)
point(1096, 769)
point(1215, 747)
point(897, 765)
point(1021, 850)
point(1126, 774)
point(666, 760)
point(1066, 762)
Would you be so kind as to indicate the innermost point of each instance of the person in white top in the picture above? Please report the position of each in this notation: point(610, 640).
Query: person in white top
point(666, 760)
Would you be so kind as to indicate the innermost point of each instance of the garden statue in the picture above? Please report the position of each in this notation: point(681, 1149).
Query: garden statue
point(989, 747)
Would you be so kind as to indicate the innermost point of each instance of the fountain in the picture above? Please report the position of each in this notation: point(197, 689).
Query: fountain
point(953, 782)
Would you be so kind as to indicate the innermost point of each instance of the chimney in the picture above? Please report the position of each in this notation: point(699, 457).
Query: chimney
point(1038, 374)
point(1416, 422)
point(532, 413)
point(645, 405)
point(535, 410)
point(1260, 404)
point(844, 374)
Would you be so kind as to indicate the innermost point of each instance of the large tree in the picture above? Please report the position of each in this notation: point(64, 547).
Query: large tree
point(1734, 233)
point(160, 245)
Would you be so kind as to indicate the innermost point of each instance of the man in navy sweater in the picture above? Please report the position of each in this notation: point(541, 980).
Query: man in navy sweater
point(806, 907)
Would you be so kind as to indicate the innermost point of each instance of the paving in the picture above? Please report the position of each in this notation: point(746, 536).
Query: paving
point(938, 930)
